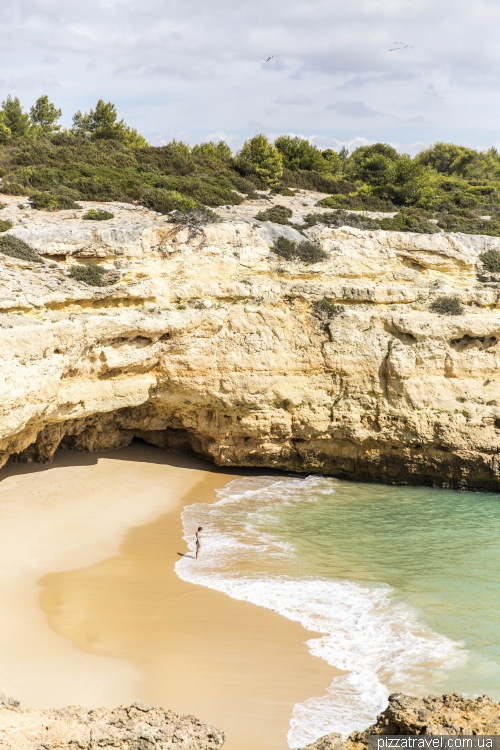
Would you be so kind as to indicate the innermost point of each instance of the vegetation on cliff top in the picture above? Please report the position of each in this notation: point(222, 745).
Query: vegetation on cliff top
point(443, 188)
point(95, 214)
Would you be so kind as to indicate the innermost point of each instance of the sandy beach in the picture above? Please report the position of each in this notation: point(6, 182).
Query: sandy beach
point(95, 614)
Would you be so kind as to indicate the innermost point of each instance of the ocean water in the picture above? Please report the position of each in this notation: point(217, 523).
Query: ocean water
point(402, 583)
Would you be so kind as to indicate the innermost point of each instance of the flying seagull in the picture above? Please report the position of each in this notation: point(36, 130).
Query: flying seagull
point(270, 58)
point(403, 46)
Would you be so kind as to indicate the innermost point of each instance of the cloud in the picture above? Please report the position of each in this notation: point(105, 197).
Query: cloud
point(293, 100)
point(28, 82)
point(353, 109)
point(199, 67)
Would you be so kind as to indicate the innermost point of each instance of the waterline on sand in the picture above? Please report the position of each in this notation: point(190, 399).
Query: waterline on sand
point(381, 643)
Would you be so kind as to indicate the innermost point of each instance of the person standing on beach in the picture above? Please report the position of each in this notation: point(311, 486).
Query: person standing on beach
point(198, 540)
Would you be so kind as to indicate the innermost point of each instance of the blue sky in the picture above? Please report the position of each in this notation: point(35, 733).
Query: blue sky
point(197, 70)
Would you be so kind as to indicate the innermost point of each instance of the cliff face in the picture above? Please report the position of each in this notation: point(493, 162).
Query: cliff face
point(208, 341)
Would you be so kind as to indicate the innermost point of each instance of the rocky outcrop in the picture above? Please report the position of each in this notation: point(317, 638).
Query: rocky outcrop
point(450, 714)
point(125, 728)
point(209, 342)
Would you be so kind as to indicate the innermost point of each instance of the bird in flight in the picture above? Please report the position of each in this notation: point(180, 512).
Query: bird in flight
point(270, 58)
point(403, 46)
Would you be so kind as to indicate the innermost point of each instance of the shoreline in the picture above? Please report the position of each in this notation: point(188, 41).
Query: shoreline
point(188, 648)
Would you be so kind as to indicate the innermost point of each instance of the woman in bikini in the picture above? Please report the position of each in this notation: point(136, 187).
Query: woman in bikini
point(198, 540)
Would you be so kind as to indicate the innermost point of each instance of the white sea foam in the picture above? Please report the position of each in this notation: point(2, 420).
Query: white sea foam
point(380, 645)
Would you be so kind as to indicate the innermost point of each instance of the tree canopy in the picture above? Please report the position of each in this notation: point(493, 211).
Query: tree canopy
point(260, 158)
point(102, 123)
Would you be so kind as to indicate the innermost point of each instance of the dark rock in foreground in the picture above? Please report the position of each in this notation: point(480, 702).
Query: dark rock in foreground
point(437, 714)
point(136, 727)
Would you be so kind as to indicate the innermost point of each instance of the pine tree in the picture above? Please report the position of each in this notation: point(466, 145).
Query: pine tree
point(44, 116)
point(261, 158)
point(14, 118)
point(102, 123)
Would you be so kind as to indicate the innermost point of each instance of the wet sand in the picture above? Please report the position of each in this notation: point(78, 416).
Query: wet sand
point(93, 612)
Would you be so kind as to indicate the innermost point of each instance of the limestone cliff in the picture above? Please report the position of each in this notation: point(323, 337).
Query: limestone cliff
point(208, 341)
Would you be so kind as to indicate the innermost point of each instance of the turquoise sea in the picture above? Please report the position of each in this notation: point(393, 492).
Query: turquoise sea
point(402, 583)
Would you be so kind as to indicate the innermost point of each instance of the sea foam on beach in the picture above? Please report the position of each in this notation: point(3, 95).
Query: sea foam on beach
point(265, 543)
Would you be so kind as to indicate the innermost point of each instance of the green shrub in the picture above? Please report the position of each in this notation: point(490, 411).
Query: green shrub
point(16, 248)
point(308, 252)
point(342, 219)
point(491, 260)
point(247, 187)
point(325, 308)
point(165, 201)
point(48, 202)
point(409, 222)
point(13, 188)
point(282, 190)
point(285, 248)
point(310, 180)
point(469, 224)
point(197, 217)
point(5, 225)
point(448, 305)
point(89, 274)
point(276, 214)
point(361, 202)
point(219, 150)
point(95, 214)
point(311, 252)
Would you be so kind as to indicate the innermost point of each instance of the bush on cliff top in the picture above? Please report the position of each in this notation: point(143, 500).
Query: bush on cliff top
point(16, 248)
point(95, 214)
point(276, 214)
point(49, 202)
point(342, 219)
point(361, 202)
point(165, 201)
point(5, 225)
point(409, 222)
point(195, 218)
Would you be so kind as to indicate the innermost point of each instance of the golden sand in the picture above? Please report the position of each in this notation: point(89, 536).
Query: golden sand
point(93, 612)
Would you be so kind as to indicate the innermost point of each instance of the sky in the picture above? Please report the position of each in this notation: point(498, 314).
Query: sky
point(196, 70)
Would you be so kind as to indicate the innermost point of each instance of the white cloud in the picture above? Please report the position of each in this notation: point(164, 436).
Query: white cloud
point(293, 100)
point(353, 109)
